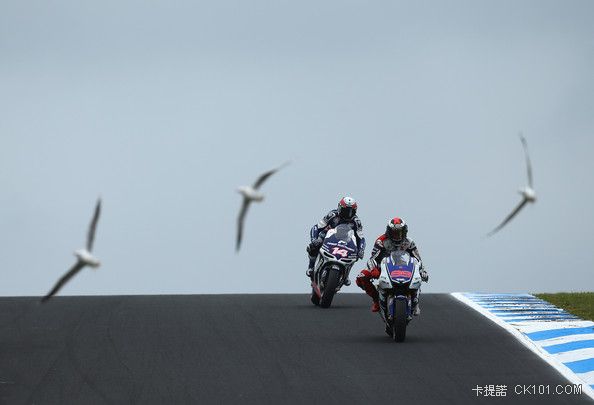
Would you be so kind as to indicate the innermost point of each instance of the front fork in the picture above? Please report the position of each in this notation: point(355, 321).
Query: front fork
point(318, 280)
point(387, 305)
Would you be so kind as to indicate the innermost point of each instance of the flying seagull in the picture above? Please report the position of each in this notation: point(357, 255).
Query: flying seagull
point(251, 194)
point(528, 193)
point(84, 256)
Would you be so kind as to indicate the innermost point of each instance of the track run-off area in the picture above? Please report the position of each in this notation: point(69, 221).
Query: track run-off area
point(260, 349)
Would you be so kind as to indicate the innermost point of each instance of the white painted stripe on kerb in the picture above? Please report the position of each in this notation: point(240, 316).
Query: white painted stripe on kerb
point(532, 346)
point(575, 355)
point(491, 295)
point(527, 314)
point(530, 327)
point(565, 339)
point(519, 306)
point(508, 302)
point(587, 377)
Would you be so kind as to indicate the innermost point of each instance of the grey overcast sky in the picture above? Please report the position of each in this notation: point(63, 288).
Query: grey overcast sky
point(413, 108)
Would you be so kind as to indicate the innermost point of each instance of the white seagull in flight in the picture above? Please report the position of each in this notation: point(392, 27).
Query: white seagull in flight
point(84, 256)
point(528, 193)
point(251, 194)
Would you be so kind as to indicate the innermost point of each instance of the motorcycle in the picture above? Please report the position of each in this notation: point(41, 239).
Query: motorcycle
point(337, 255)
point(399, 280)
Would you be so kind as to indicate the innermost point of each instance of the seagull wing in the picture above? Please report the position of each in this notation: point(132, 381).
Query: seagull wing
point(93, 226)
point(528, 164)
point(75, 269)
point(266, 175)
point(240, 220)
point(509, 217)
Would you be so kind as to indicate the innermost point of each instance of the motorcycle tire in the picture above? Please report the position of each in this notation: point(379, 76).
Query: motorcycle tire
point(330, 287)
point(400, 321)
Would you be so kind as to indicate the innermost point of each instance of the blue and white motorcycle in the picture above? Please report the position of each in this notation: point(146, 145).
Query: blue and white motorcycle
point(337, 255)
point(399, 281)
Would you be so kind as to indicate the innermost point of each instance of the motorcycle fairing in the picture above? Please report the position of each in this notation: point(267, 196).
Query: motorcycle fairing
point(400, 272)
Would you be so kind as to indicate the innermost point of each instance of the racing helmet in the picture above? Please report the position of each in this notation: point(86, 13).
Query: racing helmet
point(397, 229)
point(347, 208)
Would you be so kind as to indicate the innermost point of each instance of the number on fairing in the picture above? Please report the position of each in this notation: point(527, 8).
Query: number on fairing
point(341, 252)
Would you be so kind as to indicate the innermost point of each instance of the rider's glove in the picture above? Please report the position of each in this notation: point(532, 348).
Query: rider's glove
point(424, 275)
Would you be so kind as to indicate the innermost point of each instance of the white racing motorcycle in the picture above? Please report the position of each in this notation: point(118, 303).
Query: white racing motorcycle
point(337, 255)
point(399, 280)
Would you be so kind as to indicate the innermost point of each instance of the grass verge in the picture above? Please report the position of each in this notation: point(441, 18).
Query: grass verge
point(580, 304)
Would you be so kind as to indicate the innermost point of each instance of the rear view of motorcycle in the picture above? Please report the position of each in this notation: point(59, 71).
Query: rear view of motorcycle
point(333, 265)
point(399, 282)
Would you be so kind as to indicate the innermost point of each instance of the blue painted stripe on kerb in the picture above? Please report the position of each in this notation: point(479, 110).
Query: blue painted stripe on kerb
point(553, 333)
point(581, 366)
point(566, 347)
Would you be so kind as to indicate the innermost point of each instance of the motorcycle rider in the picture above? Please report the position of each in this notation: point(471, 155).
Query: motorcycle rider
point(345, 213)
point(395, 238)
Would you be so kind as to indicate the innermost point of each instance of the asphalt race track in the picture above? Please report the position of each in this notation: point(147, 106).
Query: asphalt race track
point(256, 349)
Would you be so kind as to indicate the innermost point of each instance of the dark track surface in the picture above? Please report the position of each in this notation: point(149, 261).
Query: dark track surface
point(255, 349)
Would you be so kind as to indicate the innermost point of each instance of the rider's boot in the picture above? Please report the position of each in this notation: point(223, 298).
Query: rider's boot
point(364, 281)
point(346, 281)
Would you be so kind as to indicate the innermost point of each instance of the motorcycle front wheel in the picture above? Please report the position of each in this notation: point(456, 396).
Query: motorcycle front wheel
point(330, 287)
point(399, 322)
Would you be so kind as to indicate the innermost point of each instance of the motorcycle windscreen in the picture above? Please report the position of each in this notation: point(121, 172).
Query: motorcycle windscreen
point(401, 266)
point(340, 241)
